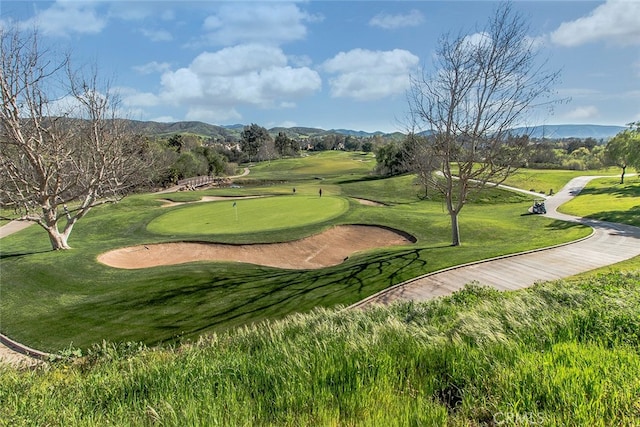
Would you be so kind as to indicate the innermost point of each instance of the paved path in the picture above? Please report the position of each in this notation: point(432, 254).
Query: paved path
point(13, 227)
point(610, 243)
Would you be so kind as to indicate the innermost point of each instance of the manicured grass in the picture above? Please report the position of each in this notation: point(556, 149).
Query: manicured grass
point(248, 216)
point(56, 299)
point(544, 180)
point(608, 200)
point(556, 354)
point(51, 300)
point(320, 166)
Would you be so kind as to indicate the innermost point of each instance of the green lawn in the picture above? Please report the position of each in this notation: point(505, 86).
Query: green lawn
point(606, 199)
point(51, 300)
point(544, 180)
point(248, 216)
point(555, 354)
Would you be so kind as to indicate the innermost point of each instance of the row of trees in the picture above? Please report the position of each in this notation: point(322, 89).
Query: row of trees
point(571, 154)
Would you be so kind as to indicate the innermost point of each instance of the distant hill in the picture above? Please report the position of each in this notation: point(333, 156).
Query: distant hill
point(232, 132)
point(571, 131)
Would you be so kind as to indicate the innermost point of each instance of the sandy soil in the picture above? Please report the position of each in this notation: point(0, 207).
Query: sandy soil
point(329, 248)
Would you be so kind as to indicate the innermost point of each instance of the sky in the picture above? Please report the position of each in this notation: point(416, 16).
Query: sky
point(326, 64)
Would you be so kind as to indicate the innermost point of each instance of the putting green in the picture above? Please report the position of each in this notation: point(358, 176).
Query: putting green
point(248, 215)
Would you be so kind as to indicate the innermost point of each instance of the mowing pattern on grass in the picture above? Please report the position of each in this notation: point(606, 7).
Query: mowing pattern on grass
point(247, 216)
point(321, 250)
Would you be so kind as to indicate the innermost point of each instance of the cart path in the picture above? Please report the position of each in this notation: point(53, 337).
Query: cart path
point(608, 244)
point(13, 227)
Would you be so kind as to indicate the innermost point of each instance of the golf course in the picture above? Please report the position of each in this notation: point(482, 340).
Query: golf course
point(225, 306)
point(54, 300)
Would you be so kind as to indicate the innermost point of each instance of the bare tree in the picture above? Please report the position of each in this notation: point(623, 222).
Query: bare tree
point(482, 87)
point(63, 150)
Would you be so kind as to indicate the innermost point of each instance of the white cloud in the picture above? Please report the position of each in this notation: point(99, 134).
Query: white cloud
point(238, 60)
point(616, 21)
point(391, 22)
point(583, 113)
point(157, 35)
point(133, 98)
point(215, 84)
point(66, 17)
point(212, 114)
point(285, 124)
point(476, 40)
point(164, 119)
point(367, 75)
point(270, 22)
point(152, 67)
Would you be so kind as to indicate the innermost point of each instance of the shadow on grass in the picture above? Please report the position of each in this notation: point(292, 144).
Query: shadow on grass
point(175, 309)
point(632, 190)
point(20, 254)
point(563, 225)
point(630, 216)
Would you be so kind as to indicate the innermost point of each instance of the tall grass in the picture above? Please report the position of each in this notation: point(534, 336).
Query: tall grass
point(557, 354)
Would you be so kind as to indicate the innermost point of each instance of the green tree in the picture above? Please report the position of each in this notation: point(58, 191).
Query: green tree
point(624, 149)
point(252, 139)
point(285, 145)
point(390, 159)
point(216, 162)
point(175, 142)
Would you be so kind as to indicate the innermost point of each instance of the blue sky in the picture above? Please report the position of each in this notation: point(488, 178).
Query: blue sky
point(327, 64)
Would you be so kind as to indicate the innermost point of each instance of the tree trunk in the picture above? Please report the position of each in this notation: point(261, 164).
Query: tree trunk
point(455, 230)
point(58, 240)
point(624, 168)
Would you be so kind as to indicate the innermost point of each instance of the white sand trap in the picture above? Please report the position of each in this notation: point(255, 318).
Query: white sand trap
point(328, 248)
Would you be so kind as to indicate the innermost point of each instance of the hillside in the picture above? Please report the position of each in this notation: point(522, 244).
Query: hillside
point(571, 131)
point(556, 354)
point(232, 132)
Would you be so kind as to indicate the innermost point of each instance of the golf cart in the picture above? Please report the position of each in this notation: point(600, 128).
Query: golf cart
point(538, 207)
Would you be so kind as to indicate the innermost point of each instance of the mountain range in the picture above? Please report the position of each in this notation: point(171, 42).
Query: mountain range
point(232, 132)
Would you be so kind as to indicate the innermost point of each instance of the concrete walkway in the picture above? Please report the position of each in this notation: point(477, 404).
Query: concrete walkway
point(608, 244)
point(13, 227)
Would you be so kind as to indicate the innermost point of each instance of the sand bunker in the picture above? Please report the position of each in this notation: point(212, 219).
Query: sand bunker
point(329, 248)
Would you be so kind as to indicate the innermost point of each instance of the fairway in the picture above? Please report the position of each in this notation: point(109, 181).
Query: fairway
point(250, 215)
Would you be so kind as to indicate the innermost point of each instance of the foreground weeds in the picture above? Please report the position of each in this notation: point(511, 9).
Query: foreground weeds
point(557, 354)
